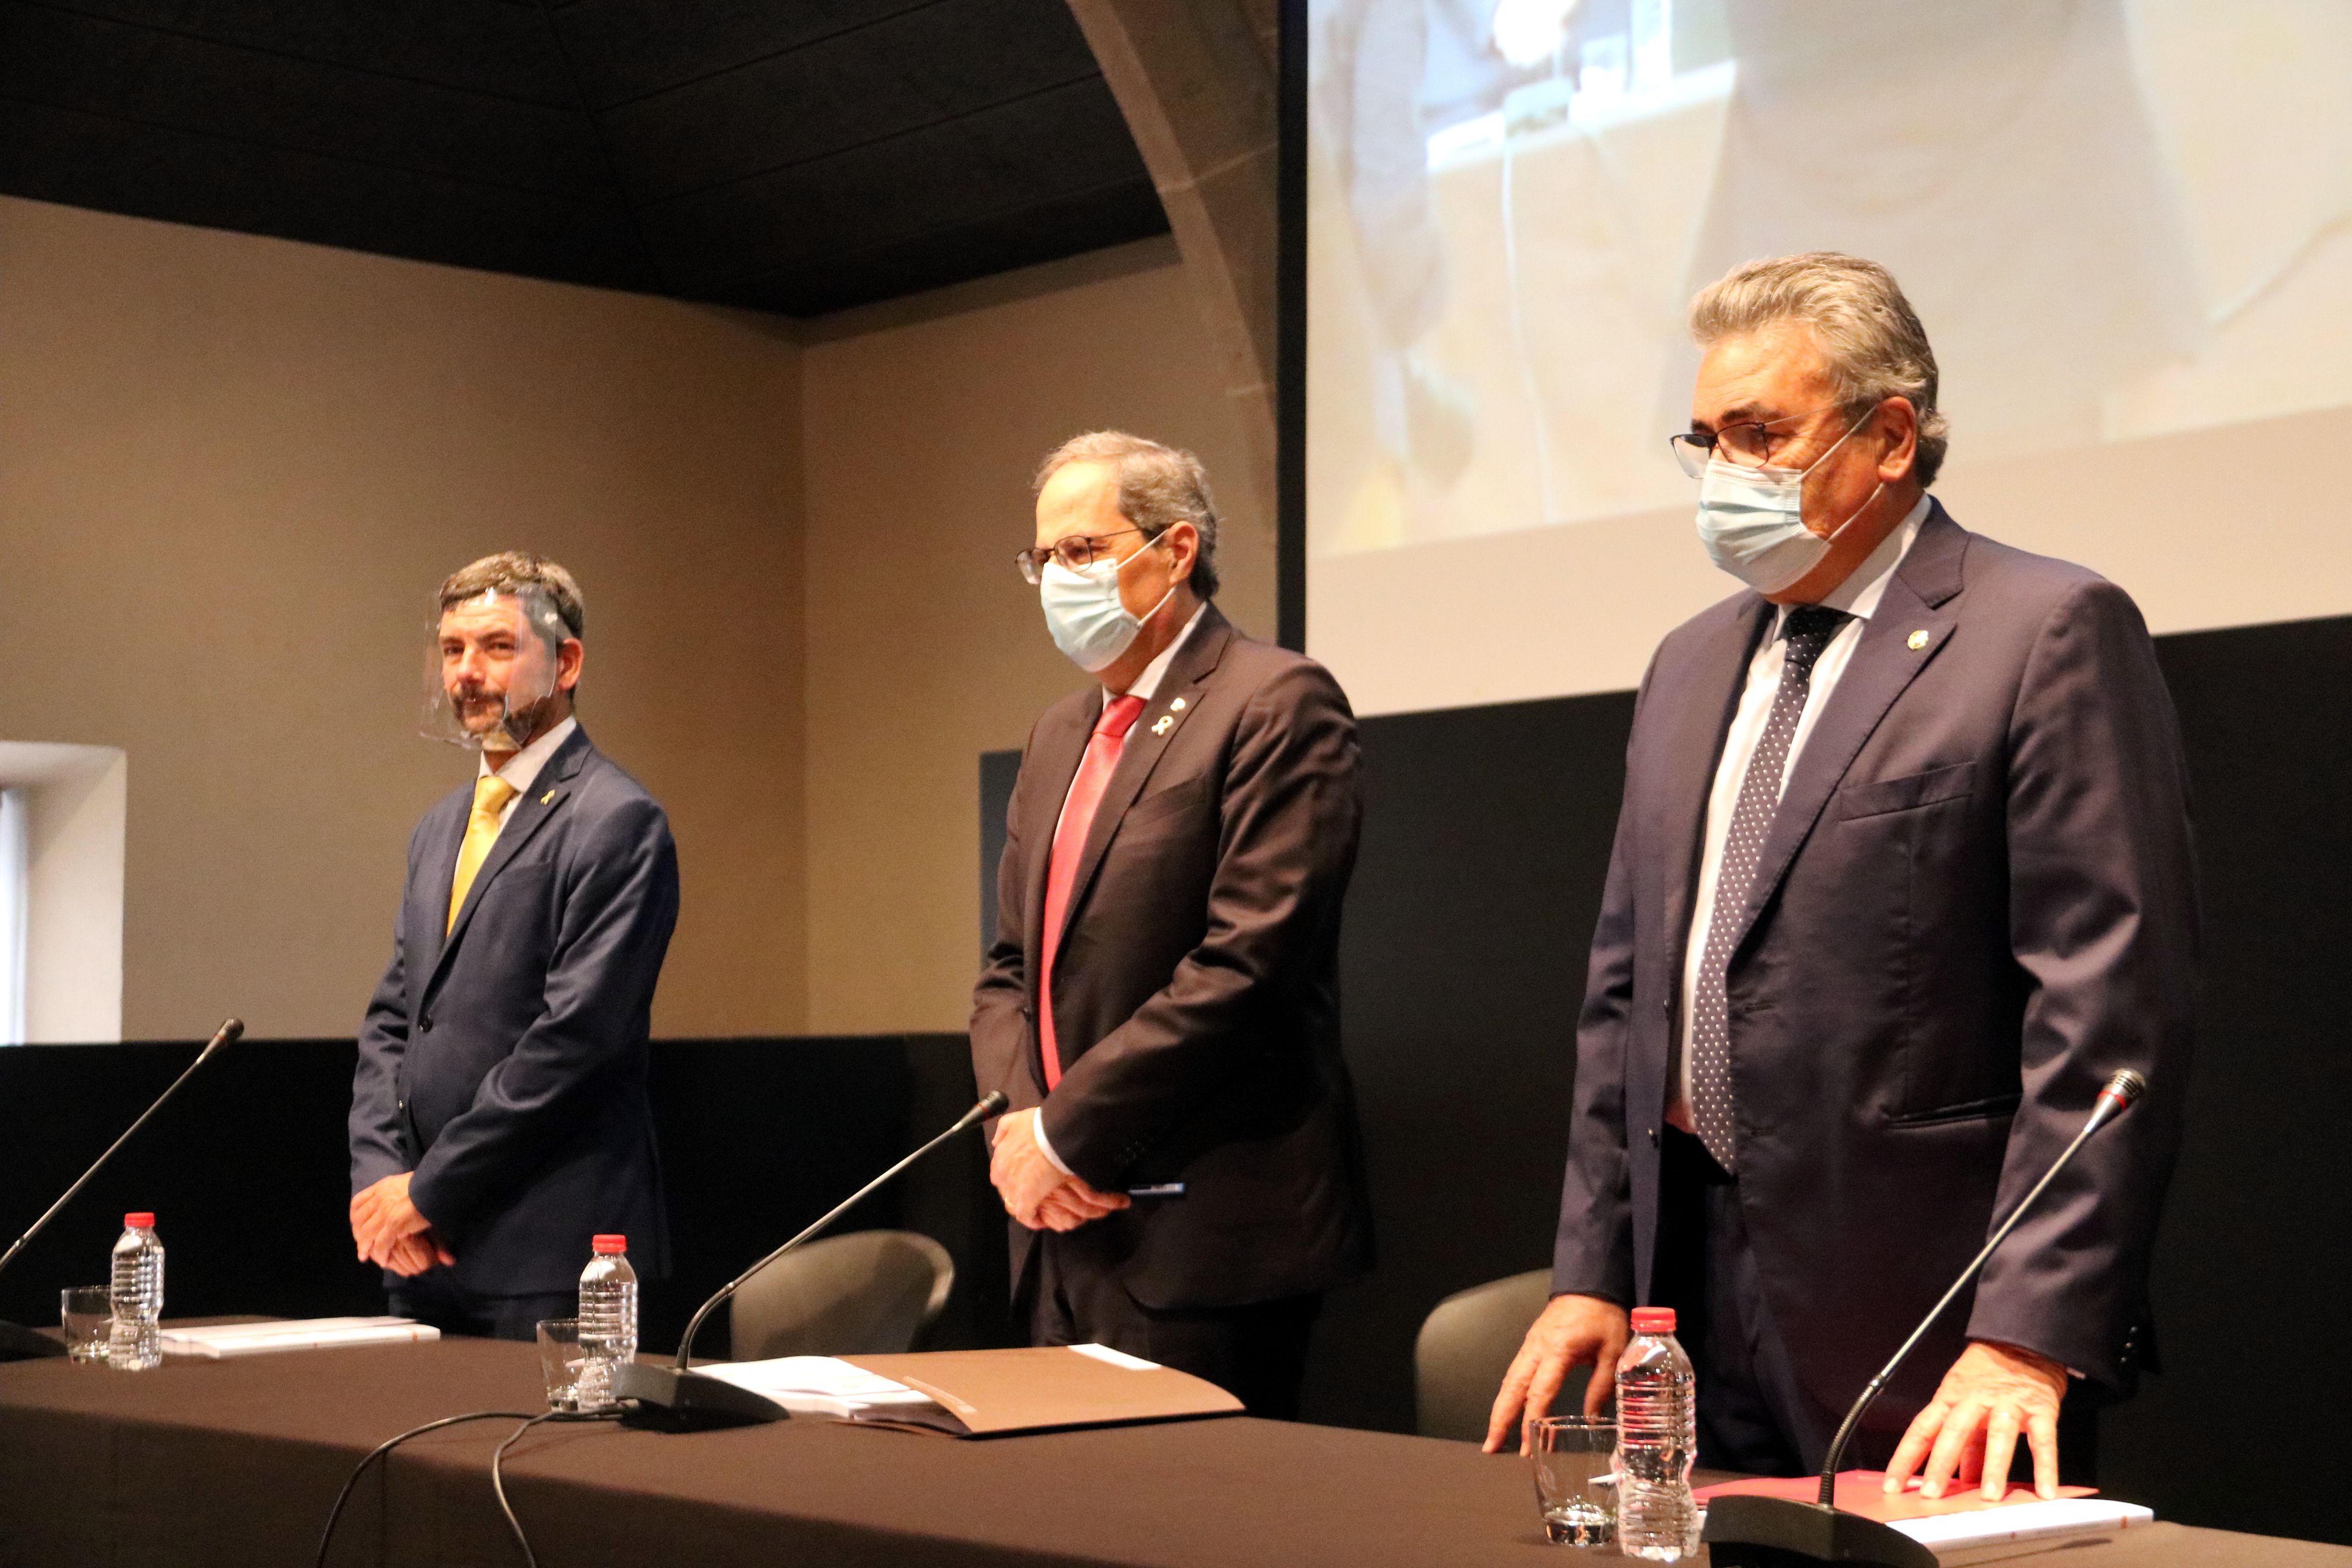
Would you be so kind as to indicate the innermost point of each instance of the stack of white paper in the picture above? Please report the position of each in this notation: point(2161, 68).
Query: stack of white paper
point(1991, 1534)
point(220, 1341)
point(818, 1386)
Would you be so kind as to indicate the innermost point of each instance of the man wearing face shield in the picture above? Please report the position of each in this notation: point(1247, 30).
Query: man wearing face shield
point(1181, 1164)
point(1902, 875)
point(499, 1114)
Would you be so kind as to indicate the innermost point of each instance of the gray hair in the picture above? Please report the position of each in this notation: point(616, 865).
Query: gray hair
point(1868, 333)
point(1159, 487)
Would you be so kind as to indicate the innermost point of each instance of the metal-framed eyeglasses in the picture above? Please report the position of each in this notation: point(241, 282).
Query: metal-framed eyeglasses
point(1747, 445)
point(1076, 552)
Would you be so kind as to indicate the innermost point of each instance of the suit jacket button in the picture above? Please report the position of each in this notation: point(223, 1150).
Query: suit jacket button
point(1653, 1137)
point(423, 1025)
point(401, 1105)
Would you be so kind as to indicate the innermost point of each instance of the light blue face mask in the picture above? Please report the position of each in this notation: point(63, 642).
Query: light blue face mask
point(1752, 520)
point(1090, 621)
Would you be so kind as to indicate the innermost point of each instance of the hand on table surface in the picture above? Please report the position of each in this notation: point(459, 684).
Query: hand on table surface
point(1968, 1432)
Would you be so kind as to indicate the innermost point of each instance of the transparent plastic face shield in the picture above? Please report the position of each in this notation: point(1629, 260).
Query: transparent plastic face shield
point(490, 670)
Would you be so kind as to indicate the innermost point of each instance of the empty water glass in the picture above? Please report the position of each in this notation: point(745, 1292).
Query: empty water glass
point(1574, 1485)
point(86, 1313)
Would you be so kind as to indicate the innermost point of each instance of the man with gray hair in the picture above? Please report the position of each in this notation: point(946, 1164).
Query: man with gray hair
point(1903, 874)
point(1160, 1000)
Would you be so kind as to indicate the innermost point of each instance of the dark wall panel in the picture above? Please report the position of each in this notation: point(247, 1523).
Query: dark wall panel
point(246, 1171)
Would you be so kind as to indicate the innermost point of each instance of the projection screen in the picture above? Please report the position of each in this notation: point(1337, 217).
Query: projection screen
point(2123, 222)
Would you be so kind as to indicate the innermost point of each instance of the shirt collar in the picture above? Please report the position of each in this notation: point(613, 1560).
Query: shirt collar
point(1859, 594)
point(523, 772)
point(1148, 683)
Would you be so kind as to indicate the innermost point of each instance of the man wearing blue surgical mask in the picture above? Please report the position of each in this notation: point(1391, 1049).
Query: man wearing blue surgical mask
point(1903, 875)
point(1161, 1004)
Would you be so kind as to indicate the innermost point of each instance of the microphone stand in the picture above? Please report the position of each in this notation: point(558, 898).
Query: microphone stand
point(1782, 1532)
point(30, 1344)
point(679, 1399)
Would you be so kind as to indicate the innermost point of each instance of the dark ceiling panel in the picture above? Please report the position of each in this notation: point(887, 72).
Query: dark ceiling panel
point(1047, 231)
point(919, 70)
point(796, 155)
point(51, 154)
point(624, 50)
point(503, 48)
point(977, 168)
point(178, 83)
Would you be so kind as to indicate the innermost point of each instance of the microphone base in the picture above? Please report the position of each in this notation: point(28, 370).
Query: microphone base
point(668, 1400)
point(1779, 1532)
point(28, 1345)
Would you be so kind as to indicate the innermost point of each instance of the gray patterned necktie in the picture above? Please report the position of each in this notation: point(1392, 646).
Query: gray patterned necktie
point(1808, 630)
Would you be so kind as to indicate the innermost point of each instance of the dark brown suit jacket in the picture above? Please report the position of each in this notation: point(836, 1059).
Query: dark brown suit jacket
point(1978, 900)
point(1196, 991)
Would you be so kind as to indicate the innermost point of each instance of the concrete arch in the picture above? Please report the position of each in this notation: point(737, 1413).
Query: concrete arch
point(1198, 83)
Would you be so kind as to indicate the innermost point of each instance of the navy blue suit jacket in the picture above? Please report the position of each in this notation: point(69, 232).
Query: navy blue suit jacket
point(506, 1065)
point(1977, 900)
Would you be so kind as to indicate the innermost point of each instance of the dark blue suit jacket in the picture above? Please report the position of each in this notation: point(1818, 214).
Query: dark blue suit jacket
point(1977, 901)
point(506, 1065)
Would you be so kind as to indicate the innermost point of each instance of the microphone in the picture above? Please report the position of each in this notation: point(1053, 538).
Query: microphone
point(679, 1399)
point(26, 1345)
point(1770, 1532)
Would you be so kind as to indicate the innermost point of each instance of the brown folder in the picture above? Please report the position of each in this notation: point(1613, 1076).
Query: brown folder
point(987, 1394)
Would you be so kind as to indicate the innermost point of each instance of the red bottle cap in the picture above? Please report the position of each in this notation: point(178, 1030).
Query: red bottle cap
point(1654, 1319)
point(139, 1222)
point(605, 1244)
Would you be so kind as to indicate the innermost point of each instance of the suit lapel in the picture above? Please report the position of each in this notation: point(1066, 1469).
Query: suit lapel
point(1177, 699)
point(1910, 627)
point(1702, 717)
point(547, 793)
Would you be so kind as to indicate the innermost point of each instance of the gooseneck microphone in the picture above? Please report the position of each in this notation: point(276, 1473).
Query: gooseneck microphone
point(23, 1344)
point(682, 1400)
point(1755, 1532)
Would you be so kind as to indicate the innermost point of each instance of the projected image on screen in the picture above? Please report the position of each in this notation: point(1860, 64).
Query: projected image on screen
point(2119, 219)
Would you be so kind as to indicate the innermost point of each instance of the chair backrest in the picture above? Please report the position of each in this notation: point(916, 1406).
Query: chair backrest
point(871, 1292)
point(1466, 1346)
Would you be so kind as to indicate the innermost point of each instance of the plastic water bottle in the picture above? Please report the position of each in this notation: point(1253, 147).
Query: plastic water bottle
point(608, 1320)
point(136, 1342)
point(1657, 1437)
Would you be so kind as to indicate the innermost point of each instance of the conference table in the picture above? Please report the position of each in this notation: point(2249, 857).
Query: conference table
point(235, 1464)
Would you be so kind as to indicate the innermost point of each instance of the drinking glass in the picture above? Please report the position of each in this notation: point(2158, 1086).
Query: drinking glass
point(560, 1358)
point(1574, 1487)
point(86, 1313)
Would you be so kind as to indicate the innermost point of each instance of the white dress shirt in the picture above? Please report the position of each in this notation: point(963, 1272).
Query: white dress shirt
point(1858, 597)
point(523, 767)
point(1146, 686)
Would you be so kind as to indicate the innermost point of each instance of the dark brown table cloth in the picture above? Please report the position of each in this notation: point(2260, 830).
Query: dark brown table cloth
point(234, 1463)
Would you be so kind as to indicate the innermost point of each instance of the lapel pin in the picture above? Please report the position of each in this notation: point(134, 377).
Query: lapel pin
point(1918, 640)
point(548, 798)
point(1176, 706)
point(1166, 724)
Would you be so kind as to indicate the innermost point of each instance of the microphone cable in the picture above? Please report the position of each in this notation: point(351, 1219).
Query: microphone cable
point(335, 1514)
point(497, 1458)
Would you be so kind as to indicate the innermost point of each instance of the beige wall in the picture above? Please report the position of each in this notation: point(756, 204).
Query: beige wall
point(925, 648)
point(232, 471)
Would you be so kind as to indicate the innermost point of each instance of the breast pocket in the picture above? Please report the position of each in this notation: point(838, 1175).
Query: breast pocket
point(1166, 811)
point(1877, 797)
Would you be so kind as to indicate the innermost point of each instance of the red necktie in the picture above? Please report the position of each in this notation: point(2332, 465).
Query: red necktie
point(1119, 716)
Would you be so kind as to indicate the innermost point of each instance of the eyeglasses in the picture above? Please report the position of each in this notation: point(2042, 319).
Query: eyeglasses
point(1745, 446)
point(1076, 552)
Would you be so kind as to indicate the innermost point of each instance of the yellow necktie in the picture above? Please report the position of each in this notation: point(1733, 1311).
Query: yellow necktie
point(491, 794)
